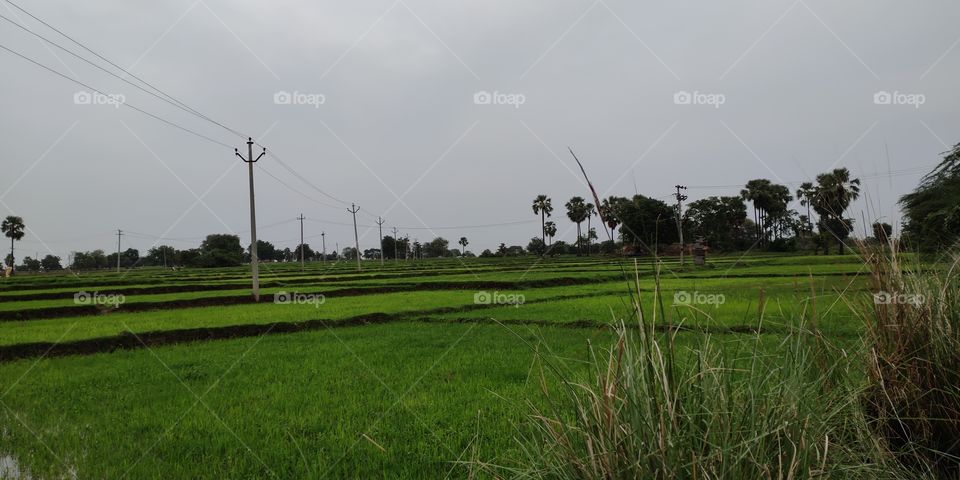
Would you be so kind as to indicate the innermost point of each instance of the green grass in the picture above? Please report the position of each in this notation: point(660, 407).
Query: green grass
point(302, 402)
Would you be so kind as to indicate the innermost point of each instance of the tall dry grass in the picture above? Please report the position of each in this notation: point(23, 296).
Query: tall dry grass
point(913, 360)
point(779, 406)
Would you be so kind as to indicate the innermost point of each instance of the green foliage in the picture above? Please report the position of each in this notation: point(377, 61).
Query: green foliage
point(219, 250)
point(647, 222)
point(933, 210)
point(720, 221)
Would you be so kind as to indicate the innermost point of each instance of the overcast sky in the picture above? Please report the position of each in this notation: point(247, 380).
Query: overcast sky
point(392, 114)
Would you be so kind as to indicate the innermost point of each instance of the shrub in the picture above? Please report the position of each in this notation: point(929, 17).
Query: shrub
point(913, 368)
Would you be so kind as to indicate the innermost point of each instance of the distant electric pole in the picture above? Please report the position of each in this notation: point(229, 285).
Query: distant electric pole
point(119, 234)
point(301, 241)
point(356, 237)
point(380, 223)
point(323, 238)
point(680, 198)
point(396, 256)
point(254, 267)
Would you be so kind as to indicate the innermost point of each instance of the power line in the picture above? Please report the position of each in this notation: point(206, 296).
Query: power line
point(174, 102)
point(171, 100)
point(168, 122)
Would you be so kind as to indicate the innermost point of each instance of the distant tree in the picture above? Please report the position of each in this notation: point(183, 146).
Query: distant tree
point(371, 253)
point(835, 191)
point(536, 246)
point(266, 252)
point(308, 253)
point(486, 253)
point(30, 265)
point(542, 205)
point(610, 210)
point(129, 258)
point(220, 250)
point(550, 230)
point(90, 260)
point(394, 248)
point(718, 220)
point(806, 194)
point(464, 242)
point(162, 255)
point(515, 251)
point(502, 250)
point(769, 205)
point(51, 263)
point(13, 228)
point(349, 253)
point(647, 222)
point(882, 232)
point(577, 213)
point(590, 210)
point(438, 247)
point(561, 248)
point(932, 210)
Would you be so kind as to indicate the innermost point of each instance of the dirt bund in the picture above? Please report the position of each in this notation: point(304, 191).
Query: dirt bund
point(129, 341)
point(82, 310)
point(150, 287)
point(132, 341)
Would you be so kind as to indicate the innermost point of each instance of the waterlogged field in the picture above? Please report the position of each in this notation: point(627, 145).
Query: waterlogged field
point(410, 370)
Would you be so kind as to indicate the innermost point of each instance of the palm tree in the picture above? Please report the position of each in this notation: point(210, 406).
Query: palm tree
point(805, 194)
point(12, 227)
point(550, 229)
point(542, 206)
point(590, 211)
point(609, 209)
point(756, 192)
point(577, 213)
point(835, 192)
point(463, 243)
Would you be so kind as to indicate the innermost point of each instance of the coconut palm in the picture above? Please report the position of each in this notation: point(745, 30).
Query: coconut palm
point(13, 228)
point(542, 205)
point(577, 213)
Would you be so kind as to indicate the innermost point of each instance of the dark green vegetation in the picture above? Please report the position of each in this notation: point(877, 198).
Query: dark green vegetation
point(418, 369)
point(933, 209)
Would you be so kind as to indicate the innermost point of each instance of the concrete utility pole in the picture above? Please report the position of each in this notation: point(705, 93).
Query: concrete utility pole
point(301, 241)
point(680, 198)
point(356, 237)
point(380, 223)
point(254, 260)
point(396, 256)
point(119, 234)
point(323, 238)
